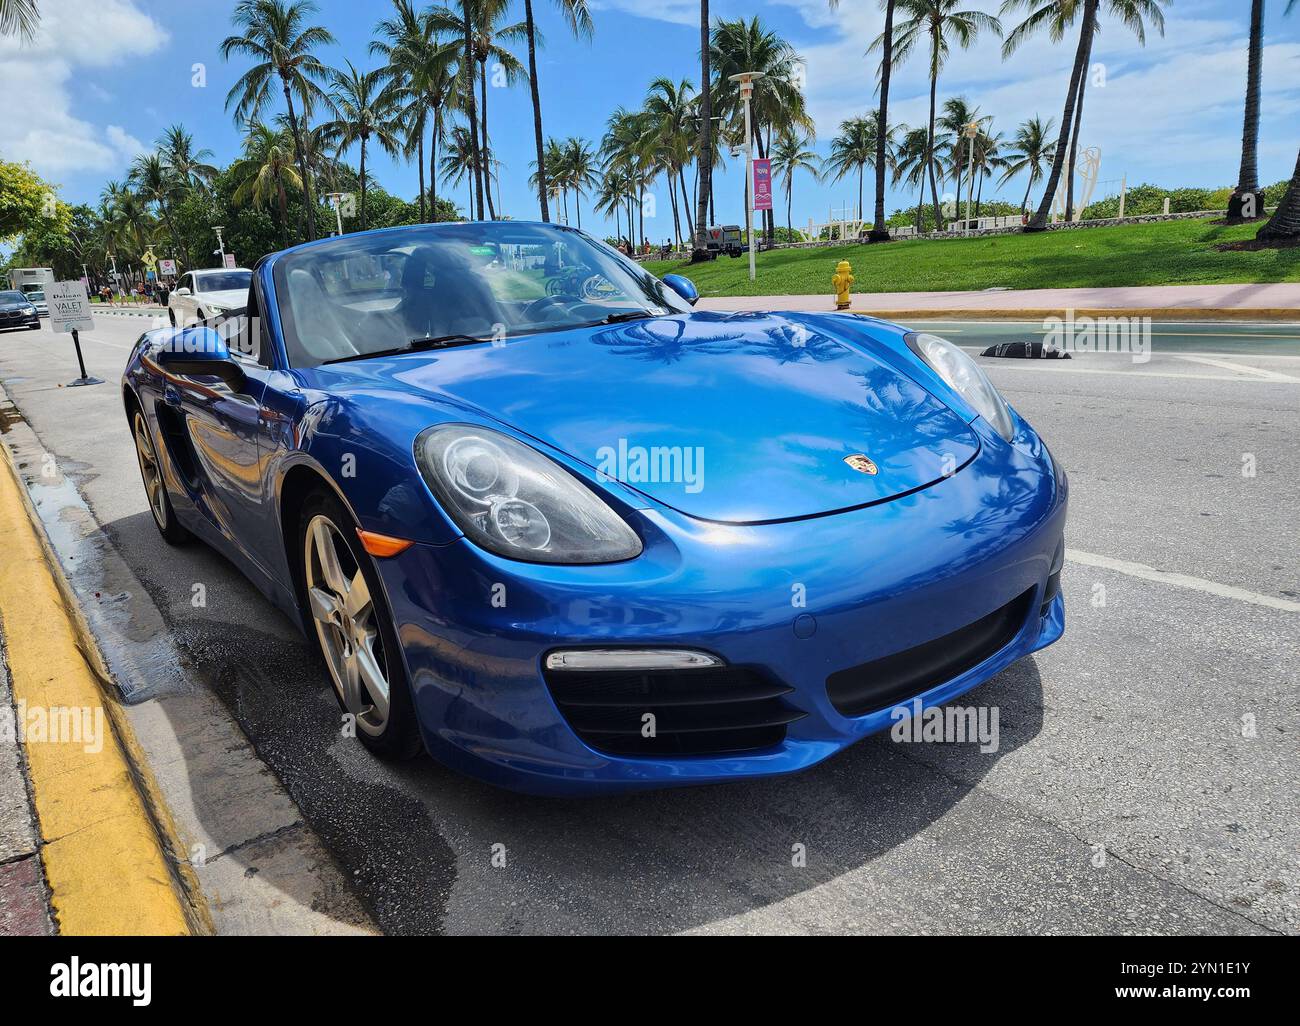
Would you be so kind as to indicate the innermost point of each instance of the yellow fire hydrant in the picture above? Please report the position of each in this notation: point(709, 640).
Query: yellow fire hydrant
point(842, 280)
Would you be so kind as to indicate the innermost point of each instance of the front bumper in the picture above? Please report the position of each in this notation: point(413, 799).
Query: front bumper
point(797, 602)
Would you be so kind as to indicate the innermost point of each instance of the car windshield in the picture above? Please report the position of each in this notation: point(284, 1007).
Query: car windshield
point(12, 297)
point(363, 295)
point(36, 297)
point(226, 281)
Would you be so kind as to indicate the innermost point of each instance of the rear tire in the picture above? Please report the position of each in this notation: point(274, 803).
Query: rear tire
point(155, 487)
point(345, 611)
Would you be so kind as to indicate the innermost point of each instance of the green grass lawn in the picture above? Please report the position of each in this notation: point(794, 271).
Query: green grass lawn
point(1166, 253)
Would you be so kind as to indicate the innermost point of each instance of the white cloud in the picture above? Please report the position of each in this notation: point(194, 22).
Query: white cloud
point(1170, 111)
point(37, 81)
point(677, 12)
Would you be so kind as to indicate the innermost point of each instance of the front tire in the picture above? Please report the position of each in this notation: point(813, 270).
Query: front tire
point(346, 611)
point(155, 489)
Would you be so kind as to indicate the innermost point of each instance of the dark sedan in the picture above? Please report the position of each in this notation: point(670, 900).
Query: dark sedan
point(17, 311)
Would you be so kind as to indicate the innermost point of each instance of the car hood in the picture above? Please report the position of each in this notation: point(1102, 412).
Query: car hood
point(739, 418)
point(235, 299)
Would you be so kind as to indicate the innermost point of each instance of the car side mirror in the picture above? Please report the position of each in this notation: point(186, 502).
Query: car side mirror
point(198, 352)
point(683, 286)
point(183, 291)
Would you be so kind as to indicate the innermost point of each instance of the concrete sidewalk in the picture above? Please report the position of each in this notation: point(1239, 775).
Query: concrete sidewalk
point(1167, 302)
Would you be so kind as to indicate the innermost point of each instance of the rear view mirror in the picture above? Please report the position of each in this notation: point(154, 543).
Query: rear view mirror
point(198, 352)
point(683, 286)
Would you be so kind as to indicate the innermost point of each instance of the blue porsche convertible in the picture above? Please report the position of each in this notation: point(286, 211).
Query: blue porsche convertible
point(550, 523)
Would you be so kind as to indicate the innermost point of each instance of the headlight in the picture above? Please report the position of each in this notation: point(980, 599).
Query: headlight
point(964, 377)
point(512, 500)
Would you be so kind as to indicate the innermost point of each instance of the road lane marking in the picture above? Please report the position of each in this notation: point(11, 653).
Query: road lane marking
point(1071, 368)
point(1266, 375)
point(1150, 573)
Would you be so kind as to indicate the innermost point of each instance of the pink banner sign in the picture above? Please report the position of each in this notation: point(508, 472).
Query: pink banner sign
point(762, 184)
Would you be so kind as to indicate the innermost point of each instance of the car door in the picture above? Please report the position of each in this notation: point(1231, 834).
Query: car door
point(183, 305)
point(220, 429)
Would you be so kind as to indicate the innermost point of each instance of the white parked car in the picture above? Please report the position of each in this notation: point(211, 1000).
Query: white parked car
point(200, 295)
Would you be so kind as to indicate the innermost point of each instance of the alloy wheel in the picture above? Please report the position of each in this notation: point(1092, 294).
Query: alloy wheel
point(346, 626)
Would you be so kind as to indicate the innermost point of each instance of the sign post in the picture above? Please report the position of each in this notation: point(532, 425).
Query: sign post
point(69, 314)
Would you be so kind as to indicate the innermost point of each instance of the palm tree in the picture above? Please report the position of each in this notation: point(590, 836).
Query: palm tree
point(627, 153)
point(458, 162)
point(489, 35)
point(912, 165)
point(265, 172)
point(365, 109)
point(705, 155)
point(277, 39)
point(19, 18)
point(577, 14)
point(1032, 148)
point(671, 106)
point(855, 149)
point(156, 184)
point(189, 165)
point(957, 114)
point(1247, 193)
point(579, 166)
point(1057, 16)
point(935, 21)
point(778, 103)
point(879, 230)
point(986, 159)
point(790, 153)
point(407, 46)
point(460, 21)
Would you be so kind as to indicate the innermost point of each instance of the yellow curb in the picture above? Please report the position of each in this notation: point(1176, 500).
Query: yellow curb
point(104, 857)
point(1155, 313)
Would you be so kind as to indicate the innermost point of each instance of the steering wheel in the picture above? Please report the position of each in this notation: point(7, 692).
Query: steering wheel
point(561, 302)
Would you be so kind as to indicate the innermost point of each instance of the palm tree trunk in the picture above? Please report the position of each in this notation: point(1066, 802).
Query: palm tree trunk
point(1074, 139)
point(363, 183)
point(419, 162)
point(433, 171)
point(686, 204)
point(1024, 204)
point(537, 110)
point(487, 150)
point(929, 153)
point(1038, 222)
point(979, 192)
point(309, 211)
point(469, 110)
point(705, 158)
point(284, 213)
point(879, 233)
point(1246, 199)
point(789, 207)
point(1285, 222)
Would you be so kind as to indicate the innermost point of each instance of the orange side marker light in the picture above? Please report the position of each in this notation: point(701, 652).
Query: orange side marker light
point(382, 546)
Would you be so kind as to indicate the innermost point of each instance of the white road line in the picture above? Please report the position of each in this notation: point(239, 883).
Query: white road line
point(1150, 573)
point(1071, 368)
point(1266, 375)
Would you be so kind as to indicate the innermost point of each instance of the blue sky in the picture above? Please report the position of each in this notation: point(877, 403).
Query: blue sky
point(106, 77)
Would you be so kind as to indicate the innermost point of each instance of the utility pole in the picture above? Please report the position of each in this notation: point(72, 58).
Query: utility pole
point(746, 79)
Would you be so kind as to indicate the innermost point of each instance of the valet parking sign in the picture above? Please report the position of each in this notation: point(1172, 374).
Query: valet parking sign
point(69, 307)
point(762, 184)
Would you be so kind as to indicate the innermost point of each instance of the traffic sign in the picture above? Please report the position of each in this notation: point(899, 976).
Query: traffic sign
point(69, 307)
point(167, 268)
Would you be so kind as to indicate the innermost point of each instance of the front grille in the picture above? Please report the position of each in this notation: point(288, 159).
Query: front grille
point(710, 711)
point(886, 682)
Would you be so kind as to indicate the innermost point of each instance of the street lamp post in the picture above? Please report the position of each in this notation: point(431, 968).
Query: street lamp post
point(972, 133)
point(746, 79)
point(336, 201)
point(221, 242)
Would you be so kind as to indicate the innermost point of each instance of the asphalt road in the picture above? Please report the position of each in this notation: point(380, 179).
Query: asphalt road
point(1129, 792)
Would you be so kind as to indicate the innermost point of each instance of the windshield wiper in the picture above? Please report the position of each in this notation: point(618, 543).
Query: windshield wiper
point(629, 315)
point(416, 345)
